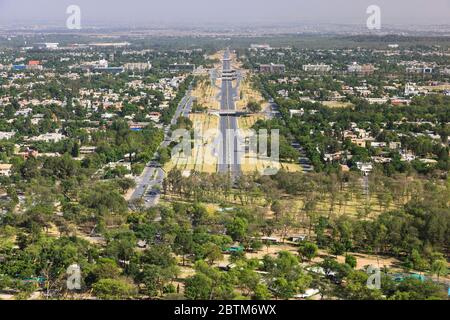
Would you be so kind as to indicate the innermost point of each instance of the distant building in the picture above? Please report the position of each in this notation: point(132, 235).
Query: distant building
point(272, 68)
point(18, 67)
point(187, 67)
point(34, 65)
point(48, 137)
point(109, 70)
point(260, 46)
point(377, 100)
point(364, 69)
point(420, 70)
point(411, 90)
point(365, 168)
point(5, 169)
point(138, 66)
point(6, 135)
point(316, 68)
point(51, 45)
point(294, 112)
point(87, 150)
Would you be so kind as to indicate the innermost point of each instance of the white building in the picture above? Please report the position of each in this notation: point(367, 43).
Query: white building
point(138, 66)
point(316, 68)
point(5, 169)
point(365, 168)
point(48, 137)
point(6, 135)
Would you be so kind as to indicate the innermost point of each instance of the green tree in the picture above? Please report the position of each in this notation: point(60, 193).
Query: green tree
point(308, 250)
point(114, 289)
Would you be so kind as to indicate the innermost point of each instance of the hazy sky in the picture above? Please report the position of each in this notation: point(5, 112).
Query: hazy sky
point(152, 12)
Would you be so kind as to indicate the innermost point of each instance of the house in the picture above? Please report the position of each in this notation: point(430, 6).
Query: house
point(187, 67)
point(316, 68)
point(296, 112)
point(364, 69)
point(5, 169)
point(272, 68)
point(87, 150)
point(365, 168)
point(6, 135)
point(270, 239)
point(359, 142)
point(299, 238)
point(137, 66)
point(48, 137)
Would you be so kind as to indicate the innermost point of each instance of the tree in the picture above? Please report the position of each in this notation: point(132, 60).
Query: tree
point(75, 150)
point(212, 252)
point(105, 268)
point(261, 292)
point(439, 268)
point(114, 289)
point(351, 261)
point(125, 184)
point(164, 155)
point(198, 287)
point(308, 250)
point(254, 106)
point(184, 243)
point(237, 228)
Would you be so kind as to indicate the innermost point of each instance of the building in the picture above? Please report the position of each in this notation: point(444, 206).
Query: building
point(420, 70)
point(18, 67)
point(34, 65)
point(6, 135)
point(260, 46)
point(51, 45)
point(137, 66)
point(87, 150)
point(377, 100)
point(365, 168)
point(5, 169)
point(48, 137)
point(411, 90)
point(113, 70)
point(294, 112)
point(364, 69)
point(272, 68)
point(187, 67)
point(316, 68)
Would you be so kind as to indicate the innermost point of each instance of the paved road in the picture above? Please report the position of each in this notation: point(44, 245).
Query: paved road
point(229, 154)
point(150, 181)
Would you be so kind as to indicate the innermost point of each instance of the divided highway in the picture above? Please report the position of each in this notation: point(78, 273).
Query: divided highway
point(229, 155)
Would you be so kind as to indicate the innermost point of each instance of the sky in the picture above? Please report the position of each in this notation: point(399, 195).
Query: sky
point(225, 12)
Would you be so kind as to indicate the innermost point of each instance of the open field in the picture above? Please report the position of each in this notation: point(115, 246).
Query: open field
point(206, 94)
point(337, 104)
point(246, 122)
point(440, 87)
point(247, 94)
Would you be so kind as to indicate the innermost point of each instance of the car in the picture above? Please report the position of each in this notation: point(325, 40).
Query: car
point(153, 193)
point(154, 164)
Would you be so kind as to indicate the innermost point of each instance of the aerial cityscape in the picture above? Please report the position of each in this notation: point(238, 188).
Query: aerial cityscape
point(267, 156)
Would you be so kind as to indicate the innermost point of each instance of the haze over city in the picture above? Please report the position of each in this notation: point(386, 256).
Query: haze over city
point(201, 12)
